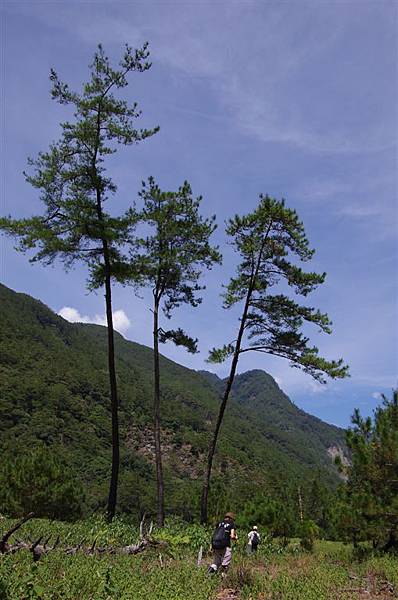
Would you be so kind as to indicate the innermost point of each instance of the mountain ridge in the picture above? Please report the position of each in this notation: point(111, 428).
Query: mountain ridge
point(55, 392)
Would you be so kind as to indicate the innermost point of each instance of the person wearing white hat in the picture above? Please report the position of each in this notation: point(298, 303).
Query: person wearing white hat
point(253, 539)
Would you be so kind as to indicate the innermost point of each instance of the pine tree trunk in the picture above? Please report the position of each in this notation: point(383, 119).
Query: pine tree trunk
point(96, 179)
point(156, 418)
point(234, 364)
point(112, 498)
point(213, 443)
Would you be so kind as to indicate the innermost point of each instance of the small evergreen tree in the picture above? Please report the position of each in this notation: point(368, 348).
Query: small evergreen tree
point(266, 240)
point(169, 260)
point(371, 495)
point(71, 177)
point(318, 504)
point(309, 532)
point(40, 481)
point(271, 515)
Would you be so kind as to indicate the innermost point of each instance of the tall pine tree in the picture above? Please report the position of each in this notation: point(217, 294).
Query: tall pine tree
point(267, 241)
point(74, 187)
point(169, 260)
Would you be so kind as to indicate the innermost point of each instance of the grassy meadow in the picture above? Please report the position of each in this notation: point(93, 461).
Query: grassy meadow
point(169, 571)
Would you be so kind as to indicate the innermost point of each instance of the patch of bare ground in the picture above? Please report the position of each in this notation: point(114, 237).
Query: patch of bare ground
point(182, 457)
point(300, 565)
point(296, 566)
point(260, 566)
point(228, 594)
point(272, 569)
point(370, 587)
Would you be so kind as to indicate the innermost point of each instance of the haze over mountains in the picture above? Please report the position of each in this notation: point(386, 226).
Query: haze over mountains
point(54, 390)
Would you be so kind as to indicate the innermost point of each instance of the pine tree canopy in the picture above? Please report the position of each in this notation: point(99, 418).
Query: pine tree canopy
point(269, 241)
point(71, 175)
point(175, 248)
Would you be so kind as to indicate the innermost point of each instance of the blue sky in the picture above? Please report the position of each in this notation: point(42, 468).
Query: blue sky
point(295, 99)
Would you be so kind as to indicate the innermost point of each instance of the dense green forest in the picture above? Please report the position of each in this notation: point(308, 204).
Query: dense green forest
point(55, 396)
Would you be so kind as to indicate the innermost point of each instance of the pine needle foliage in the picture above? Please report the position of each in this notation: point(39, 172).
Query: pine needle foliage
point(267, 240)
point(171, 257)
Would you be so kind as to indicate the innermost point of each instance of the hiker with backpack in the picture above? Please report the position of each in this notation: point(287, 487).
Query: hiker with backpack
point(254, 539)
point(221, 543)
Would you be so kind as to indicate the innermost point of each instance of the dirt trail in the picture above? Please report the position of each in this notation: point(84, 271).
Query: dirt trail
point(372, 586)
point(228, 594)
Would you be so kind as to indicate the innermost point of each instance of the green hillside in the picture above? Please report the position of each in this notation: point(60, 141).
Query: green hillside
point(54, 391)
point(299, 435)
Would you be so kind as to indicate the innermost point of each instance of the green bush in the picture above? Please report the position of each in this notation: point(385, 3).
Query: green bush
point(309, 532)
point(41, 482)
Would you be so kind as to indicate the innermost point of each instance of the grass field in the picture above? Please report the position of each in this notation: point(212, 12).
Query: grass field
point(170, 571)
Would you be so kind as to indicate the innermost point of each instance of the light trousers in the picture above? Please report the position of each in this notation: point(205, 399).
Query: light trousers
point(221, 558)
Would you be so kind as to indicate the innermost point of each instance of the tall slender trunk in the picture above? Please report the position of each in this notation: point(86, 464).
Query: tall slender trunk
point(213, 443)
point(112, 498)
point(156, 417)
point(234, 364)
point(97, 184)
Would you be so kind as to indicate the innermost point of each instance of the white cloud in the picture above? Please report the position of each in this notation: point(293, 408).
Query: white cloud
point(360, 212)
point(376, 395)
point(121, 322)
point(73, 315)
point(315, 387)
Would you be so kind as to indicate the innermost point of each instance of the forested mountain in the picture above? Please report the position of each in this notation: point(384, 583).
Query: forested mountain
point(301, 436)
point(54, 391)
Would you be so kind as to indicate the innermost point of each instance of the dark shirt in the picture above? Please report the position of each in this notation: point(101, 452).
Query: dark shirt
point(228, 526)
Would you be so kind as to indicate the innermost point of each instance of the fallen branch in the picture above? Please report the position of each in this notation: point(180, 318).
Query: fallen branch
point(39, 548)
point(3, 542)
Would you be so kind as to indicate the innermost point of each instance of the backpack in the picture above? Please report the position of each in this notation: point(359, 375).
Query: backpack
point(221, 537)
point(255, 539)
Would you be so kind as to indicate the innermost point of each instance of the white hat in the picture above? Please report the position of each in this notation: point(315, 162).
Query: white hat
point(254, 526)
